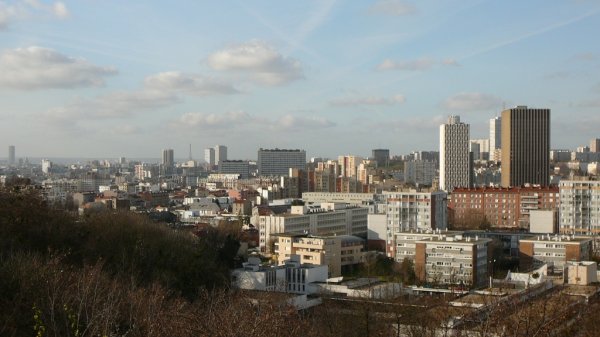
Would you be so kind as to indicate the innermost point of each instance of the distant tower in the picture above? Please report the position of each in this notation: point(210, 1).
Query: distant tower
point(455, 157)
point(46, 166)
point(11, 155)
point(595, 145)
point(220, 153)
point(495, 138)
point(209, 157)
point(168, 161)
point(381, 156)
point(525, 146)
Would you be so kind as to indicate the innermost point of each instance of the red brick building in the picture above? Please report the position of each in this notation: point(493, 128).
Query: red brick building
point(503, 207)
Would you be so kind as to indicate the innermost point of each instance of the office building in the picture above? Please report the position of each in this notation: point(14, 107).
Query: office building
point(241, 167)
point(579, 207)
point(220, 154)
point(168, 161)
point(209, 157)
point(323, 219)
point(525, 146)
point(595, 145)
point(11, 155)
point(455, 157)
point(277, 162)
point(381, 156)
point(495, 138)
point(480, 148)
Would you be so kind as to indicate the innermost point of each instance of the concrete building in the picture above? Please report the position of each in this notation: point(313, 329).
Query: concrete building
point(412, 210)
point(291, 277)
point(348, 165)
point(46, 166)
point(406, 242)
point(381, 157)
point(595, 145)
point(581, 273)
point(495, 138)
point(507, 208)
point(455, 158)
point(553, 250)
point(168, 162)
point(339, 253)
point(579, 207)
point(220, 154)
point(419, 172)
point(525, 146)
point(452, 260)
point(277, 162)
point(324, 219)
point(356, 199)
point(241, 167)
point(209, 157)
point(480, 148)
point(11, 155)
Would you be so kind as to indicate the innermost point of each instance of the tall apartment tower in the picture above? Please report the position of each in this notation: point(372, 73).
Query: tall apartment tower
point(525, 146)
point(220, 153)
point(455, 157)
point(595, 145)
point(209, 156)
point(11, 155)
point(495, 138)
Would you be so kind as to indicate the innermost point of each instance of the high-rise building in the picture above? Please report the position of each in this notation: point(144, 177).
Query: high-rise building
point(595, 145)
point(241, 167)
point(348, 165)
point(495, 138)
point(455, 157)
point(381, 156)
point(168, 161)
point(209, 156)
point(11, 155)
point(46, 166)
point(220, 154)
point(525, 146)
point(277, 162)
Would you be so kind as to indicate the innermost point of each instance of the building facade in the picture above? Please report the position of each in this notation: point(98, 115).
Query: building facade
point(419, 172)
point(507, 208)
point(381, 157)
point(579, 207)
point(525, 146)
point(277, 162)
point(554, 250)
point(220, 154)
point(241, 167)
point(495, 138)
point(595, 145)
point(455, 157)
point(209, 157)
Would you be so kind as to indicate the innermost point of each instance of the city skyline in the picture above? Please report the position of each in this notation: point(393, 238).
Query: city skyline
point(323, 76)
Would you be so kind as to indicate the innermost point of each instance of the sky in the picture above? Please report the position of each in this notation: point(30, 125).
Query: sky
point(105, 78)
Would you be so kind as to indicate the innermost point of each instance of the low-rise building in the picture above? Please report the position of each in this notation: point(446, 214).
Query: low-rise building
point(581, 273)
point(553, 250)
point(452, 260)
point(339, 252)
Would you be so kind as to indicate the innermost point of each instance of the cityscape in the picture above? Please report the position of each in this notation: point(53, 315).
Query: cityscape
point(386, 168)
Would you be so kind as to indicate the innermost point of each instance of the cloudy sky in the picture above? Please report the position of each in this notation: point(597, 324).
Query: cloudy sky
point(107, 78)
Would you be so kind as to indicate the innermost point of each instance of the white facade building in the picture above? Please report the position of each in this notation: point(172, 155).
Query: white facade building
point(579, 207)
point(455, 158)
point(220, 154)
point(420, 172)
point(495, 137)
point(209, 156)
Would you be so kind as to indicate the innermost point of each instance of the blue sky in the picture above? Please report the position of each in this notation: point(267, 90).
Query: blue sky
point(103, 78)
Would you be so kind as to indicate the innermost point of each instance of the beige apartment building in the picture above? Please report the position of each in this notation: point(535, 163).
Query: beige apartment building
point(337, 252)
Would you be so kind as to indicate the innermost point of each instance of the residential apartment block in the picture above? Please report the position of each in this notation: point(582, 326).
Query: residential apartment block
point(455, 158)
point(579, 207)
point(412, 210)
point(502, 207)
point(277, 162)
point(337, 252)
point(554, 250)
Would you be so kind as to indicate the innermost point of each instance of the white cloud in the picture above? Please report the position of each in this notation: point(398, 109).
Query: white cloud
point(301, 123)
point(114, 105)
point(40, 68)
point(188, 83)
point(450, 62)
point(368, 101)
point(260, 61)
point(60, 10)
point(393, 8)
point(22, 9)
point(213, 120)
point(472, 101)
point(410, 65)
